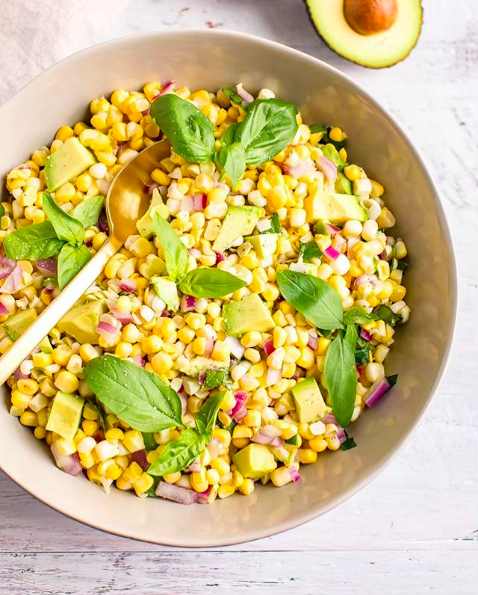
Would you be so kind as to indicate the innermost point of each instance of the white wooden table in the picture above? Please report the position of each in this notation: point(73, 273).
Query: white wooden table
point(415, 529)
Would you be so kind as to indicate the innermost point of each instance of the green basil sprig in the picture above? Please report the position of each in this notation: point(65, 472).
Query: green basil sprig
point(204, 282)
point(88, 211)
point(134, 395)
point(232, 161)
point(385, 313)
point(357, 315)
point(232, 96)
point(70, 262)
point(179, 454)
point(67, 228)
point(351, 336)
point(275, 225)
point(33, 242)
point(308, 251)
point(215, 378)
point(341, 378)
point(312, 297)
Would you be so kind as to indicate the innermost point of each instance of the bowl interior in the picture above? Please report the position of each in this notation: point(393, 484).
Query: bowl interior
point(209, 60)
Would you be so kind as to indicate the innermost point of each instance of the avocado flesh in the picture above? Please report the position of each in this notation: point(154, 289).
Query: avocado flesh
point(65, 415)
point(16, 324)
point(81, 321)
point(145, 224)
point(254, 461)
point(67, 162)
point(333, 207)
point(167, 290)
point(265, 244)
point(239, 221)
point(248, 314)
point(196, 366)
point(373, 51)
point(309, 402)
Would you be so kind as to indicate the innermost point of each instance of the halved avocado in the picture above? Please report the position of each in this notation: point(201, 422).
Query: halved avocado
point(389, 29)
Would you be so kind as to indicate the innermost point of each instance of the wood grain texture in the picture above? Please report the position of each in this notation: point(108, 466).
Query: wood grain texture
point(415, 529)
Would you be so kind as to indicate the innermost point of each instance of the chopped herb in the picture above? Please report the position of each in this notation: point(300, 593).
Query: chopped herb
point(309, 250)
point(386, 314)
point(215, 378)
point(348, 443)
point(275, 225)
point(294, 441)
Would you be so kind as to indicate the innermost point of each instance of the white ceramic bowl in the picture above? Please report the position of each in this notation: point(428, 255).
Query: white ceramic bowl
point(211, 59)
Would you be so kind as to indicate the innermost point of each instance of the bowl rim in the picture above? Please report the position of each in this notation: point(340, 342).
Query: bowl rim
point(311, 514)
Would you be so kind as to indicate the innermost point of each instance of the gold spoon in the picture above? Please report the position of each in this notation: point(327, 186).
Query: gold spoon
point(126, 202)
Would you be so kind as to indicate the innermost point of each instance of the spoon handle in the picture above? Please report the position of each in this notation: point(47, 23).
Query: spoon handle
point(25, 344)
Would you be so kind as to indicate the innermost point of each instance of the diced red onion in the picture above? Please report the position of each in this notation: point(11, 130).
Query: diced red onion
point(240, 397)
point(273, 376)
point(299, 373)
point(313, 339)
point(13, 282)
point(106, 327)
point(123, 317)
point(269, 347)
point(149, 188)
point(378, 389)
point(236, 347)
point(166, 88)
point(209, 346)
point(202, 377)
point(331, 230)
point(240, 413)
point(47, 267)
point(329, 418)
point(188, 303)
point(331, 253)
point(187, 204)
point(194, 252)
point(103, 222)
point(184, 401)
point(295, 476)
point(214, 447)
point(267, 435)
point(123, 145)
point(341, 435)
point(176, 493)
point(68, 463)
point(304, 168)
point(219, 257)
point(328, 168)
point(138, 360)
point(19, 375)
point(49, 289)
point(139, 457)
point(350, 244)
point(108, 331)
point(359, 371)
point(166, 314)
point(195, 466)
point(203, 496)
point(390, 241)
point(199, 202)
point(128, 285)
point(243, 94)
point(99, 435)
point(366, 279)
point(339, 243)
point(3, 310)
point(7, 265)
point(365, 335)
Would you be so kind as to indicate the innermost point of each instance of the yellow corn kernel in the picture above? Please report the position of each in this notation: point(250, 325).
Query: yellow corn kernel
point(225, 491)
point(252, 419)
point(221, 466)
point(199, 482)
point(322, 345)
point(377, 189)
point(160, 177)
point(123, 484)
point(307, 456)
point(172, 478)
point(132, 473)
point(28, 418)
point(277, 197)
point(318, 444)
point(133, 440)
point(143, 483)
point(89, 427)
point(66, 382)
point(398, 293)
point(162, 363)
point(337, 135)
point(281, 476)
point(186, 335)
point(247, 487)
point(306, 359)
point(151, 344)
point(28, 386)
point(353, 172)
point(251, 339)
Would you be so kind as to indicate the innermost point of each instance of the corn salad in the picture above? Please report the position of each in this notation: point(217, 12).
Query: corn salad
point(263, 366)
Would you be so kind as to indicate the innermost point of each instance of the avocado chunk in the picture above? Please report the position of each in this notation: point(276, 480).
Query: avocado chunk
point(307, 268)
point(333, 207)
point(145, 224)
point(248, 314)
point(342, 184)
point(45, 345)
point(254, 461)
point(16, 324)
point(67, 162)
point(265, 244)
point(308, 399)
point(385, 38)
point(82, 320)
point(167, 291)
point(65, 415)
point(239, 221)
point(194, 367)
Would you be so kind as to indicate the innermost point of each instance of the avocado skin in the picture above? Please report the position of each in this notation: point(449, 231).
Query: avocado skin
point(314, 25)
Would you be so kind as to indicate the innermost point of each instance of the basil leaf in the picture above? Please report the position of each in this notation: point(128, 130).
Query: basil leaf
point(275, 225)
point(309, 250)
point(88, 211)
point(356, 315)
point(312, 297)
point(179, 454)
point(333, 155)
point(348, 443)
point(232, 161)
point(2, 210)
point(363, 351)
point(215, 378)
point(232, 95)
point(206, 419)
point(70, 262)
point(341, 379)
point(228, 137)
point(315, 128)
point(351, 336)
point(270, 125)
point(190, 133)
point(176, 254)
point(210, 283)
point(386, 314)
point(66, 227)
point(33, 242)
point(134, 395)
point(149, 441)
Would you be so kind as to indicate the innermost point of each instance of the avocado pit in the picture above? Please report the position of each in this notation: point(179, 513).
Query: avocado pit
point(368, 17)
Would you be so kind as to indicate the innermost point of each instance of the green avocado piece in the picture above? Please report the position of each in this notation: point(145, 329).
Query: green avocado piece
point(333, 207)
point(16, 324)
point(167, 291)
point(239, 221)
point(372, 47)
point(65, 415)
point(82, 320)
point(254, 461)
point(45, 345)
point(265, 244)
point(67, 162)
point(195, 366)
point(248, 314)
point(145, 224)
point(305, 267)
point(342, 184)
point(308, 400)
